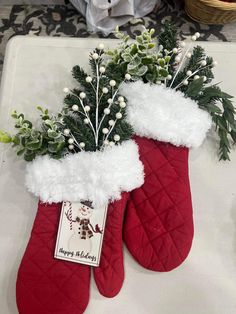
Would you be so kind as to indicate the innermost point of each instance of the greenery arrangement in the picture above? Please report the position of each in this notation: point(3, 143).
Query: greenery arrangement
point(165, 60)
point(93, 117)
point(94, 114)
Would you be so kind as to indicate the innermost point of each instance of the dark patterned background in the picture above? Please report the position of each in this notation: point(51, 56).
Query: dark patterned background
point(64, 20)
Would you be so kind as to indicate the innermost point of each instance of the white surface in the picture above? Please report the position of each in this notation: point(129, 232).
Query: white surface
point(35, 72)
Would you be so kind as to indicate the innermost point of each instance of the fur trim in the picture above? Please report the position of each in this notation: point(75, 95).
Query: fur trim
point(96, 176)
point(164, 114)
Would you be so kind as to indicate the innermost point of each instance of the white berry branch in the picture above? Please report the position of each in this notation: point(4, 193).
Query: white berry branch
point(86, 114)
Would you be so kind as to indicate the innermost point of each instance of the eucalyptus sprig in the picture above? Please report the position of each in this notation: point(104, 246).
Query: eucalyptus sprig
point(140, 58)
point(31, 142)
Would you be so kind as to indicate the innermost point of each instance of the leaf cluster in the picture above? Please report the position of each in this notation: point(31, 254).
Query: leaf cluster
point(31, 142)
point(140, 58)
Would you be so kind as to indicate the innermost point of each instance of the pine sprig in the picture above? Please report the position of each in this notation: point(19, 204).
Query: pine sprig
point(194, 65)
point(168, 38)
point(223, 117)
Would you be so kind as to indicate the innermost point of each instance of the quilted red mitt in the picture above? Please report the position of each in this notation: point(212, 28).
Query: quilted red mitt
point(109, 276)
point(46, 285)
point(99, 176)
point(158, 229)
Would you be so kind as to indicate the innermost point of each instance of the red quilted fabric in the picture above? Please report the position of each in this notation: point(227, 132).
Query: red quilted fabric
point(109, 276)
point(46, 285)
point(158, 228)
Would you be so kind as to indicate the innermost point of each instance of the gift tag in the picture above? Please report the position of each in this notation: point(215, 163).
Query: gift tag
point(80, 233)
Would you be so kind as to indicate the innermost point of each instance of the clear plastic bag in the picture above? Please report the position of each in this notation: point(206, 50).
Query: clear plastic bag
point(105, 15)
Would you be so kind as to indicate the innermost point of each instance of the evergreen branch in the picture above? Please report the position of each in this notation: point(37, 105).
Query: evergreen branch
point(223, 118)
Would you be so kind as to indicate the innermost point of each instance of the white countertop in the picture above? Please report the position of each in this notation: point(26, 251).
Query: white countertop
point(36, 70)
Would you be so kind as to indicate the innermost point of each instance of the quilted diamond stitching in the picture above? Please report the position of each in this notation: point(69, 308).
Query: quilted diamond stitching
point(70, 270)
point(176, 178)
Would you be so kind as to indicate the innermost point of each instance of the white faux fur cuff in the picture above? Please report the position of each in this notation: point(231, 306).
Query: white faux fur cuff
point(96, 176)
point(164, 114)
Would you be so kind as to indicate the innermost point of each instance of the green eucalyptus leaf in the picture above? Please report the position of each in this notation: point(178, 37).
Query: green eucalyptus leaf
point(147, 60)
point(126, 57)
point(134, 49)
point(151, 45)
point(52, 147)
point(29, 156)
point(52, 134)
point(161, 62)
point(150, 77)
point(20, 151)
point(138, 71)
point(163, 72)
point(135, 62)
point(5, 137)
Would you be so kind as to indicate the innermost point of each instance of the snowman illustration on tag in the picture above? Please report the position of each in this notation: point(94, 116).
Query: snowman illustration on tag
point(82, 228)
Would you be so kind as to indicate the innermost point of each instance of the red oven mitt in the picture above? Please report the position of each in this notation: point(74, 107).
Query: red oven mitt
point(158, 228)
point(109, 276)
point(45, 284)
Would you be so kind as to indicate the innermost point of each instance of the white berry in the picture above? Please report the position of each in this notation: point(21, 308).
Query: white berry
point(204, 78)
point(175, 50)
point(189, 73)
point(75, 108)
point(122, 104)
point(95, 56)
point(121, 98)
point(102, 69)
point(66, 90)
point(127, 76)
point(101, 46)
point(185, 82)
point(88, 79)
point(196, 77)
point(177, 59)
point(82, 95)
point(189, 55)
point(111, 122)
point(105, 90)
point(116, 138)
point(112, 83)
point(197, 34)
point(87, 108)
point(86, 120)
point(158, 82)
point(194, 38)
point(106, 110)
point(214, 63)
point(70, 141)
point(203, 63)
point(105, 130)
point(182, 44)
point(110, 101)
point(66, 132)
point(118, 115)
point(71, 146)
point(106, 142)
point(169, 77)
point(111, 143)
point(82, 144)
